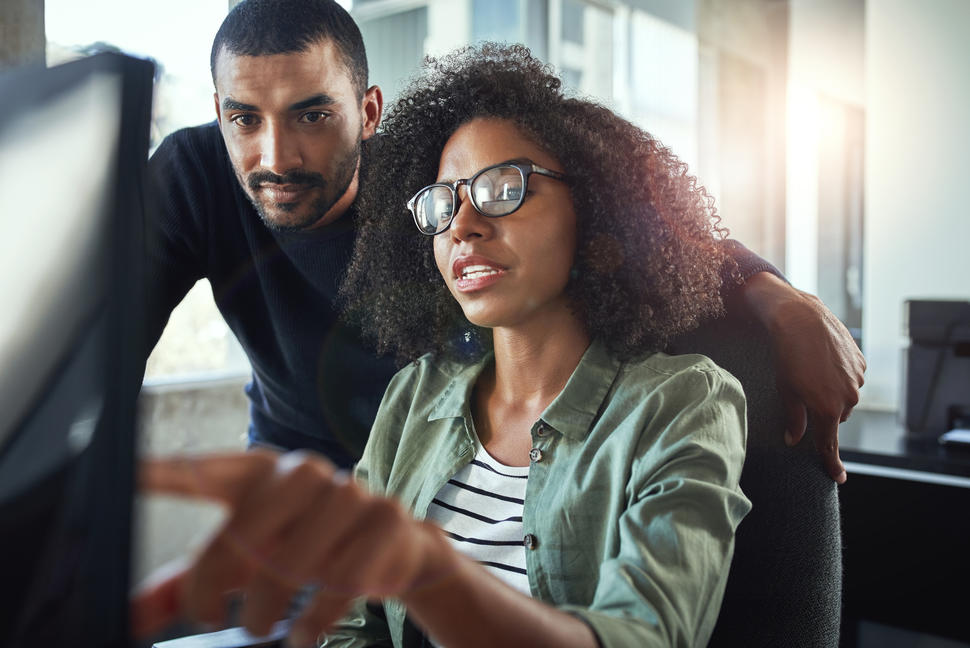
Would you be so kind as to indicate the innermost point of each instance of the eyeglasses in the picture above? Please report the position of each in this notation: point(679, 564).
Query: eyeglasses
point(494, 191)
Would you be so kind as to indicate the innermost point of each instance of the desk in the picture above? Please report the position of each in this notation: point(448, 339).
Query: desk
point(906, 530)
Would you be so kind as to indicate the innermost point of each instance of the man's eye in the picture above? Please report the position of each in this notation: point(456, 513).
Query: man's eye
point(243, 120)
point(313, 117)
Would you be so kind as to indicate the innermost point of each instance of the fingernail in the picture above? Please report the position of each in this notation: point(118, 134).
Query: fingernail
point(843, 476)
point(789, 439)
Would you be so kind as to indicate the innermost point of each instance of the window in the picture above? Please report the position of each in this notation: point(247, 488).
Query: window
point(196, 341)
point(395, 45)
point(572, 21)
point(583, 49)
point(497, 20)
point(662, 83)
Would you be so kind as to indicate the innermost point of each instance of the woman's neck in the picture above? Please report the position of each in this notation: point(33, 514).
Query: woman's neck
point(533, 363)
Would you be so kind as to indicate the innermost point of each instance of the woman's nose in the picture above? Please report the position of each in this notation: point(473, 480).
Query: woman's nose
point(468, 222)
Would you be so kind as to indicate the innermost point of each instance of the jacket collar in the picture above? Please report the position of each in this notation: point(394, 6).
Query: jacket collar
point(572, 412)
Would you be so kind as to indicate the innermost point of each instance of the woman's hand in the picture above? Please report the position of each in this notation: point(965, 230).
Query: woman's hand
point(293, 520)
point(819, 366)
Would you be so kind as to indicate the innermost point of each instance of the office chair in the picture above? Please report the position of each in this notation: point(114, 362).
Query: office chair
point(785, 583)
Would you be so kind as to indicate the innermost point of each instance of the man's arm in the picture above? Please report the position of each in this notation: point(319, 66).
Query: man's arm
point(172, 230)
point(819, 366)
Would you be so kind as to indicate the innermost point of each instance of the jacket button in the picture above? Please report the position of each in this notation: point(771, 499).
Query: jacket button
point(535, 455)
point(530, 541)
point(543, 430)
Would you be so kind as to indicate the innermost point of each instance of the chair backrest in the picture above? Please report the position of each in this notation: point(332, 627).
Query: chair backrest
point(785, 583)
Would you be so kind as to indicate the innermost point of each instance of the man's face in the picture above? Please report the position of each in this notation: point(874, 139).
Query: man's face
point(293, 125)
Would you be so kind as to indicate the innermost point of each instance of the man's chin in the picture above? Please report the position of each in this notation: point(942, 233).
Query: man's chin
point(288, 217)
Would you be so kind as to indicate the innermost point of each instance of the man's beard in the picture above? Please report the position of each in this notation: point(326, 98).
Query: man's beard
point(343, 175)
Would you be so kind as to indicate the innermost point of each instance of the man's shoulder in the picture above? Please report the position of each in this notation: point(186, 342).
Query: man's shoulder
point(193, 188)
point(204, 141)
point(192, 163)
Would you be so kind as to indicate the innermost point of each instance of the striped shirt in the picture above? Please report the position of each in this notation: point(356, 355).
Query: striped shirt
point(480, 510)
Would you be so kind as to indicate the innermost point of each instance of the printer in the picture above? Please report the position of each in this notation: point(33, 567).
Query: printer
point(936, 367)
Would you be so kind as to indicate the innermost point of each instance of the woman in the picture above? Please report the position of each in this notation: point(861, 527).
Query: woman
point(586, 484)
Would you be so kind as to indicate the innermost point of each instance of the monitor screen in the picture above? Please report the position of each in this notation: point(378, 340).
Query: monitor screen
point(73, 148)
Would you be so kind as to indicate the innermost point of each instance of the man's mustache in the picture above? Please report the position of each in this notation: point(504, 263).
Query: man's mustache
point(295, 177)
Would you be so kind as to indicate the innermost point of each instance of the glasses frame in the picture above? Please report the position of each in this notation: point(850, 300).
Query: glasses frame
point(525, 170)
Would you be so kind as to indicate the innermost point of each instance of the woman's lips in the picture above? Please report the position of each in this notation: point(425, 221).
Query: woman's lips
point(475, 273)
point(477, 277)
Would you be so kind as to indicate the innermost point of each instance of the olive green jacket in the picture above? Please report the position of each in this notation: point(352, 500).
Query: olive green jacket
point(632, 499)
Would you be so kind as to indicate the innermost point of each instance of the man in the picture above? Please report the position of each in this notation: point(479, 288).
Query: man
point(262, 203)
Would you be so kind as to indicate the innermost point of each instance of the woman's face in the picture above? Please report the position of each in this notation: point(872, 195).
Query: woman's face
point(508, 271)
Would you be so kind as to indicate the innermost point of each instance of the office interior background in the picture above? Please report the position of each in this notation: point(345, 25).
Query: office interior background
point(833, 134)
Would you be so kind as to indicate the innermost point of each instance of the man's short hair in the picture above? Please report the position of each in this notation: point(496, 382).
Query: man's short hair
point(265, 27)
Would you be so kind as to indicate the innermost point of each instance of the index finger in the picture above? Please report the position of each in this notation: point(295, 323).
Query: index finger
point(219, 477)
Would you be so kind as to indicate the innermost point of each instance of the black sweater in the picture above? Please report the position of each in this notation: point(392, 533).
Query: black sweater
point(315, 383)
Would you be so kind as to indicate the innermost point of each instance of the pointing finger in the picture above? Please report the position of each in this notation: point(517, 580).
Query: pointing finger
point(219, 477)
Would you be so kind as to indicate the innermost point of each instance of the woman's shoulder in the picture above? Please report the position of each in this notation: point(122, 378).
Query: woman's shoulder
point(416, 414)
point(680, 402)
point(429, 382)
point(430, 369)
point(683, 370)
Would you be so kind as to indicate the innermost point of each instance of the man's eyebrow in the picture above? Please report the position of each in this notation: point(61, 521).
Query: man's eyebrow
point(316, 100)
point(231, 104)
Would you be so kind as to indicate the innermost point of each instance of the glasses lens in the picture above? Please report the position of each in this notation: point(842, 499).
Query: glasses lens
point(498, 191)
point(433, 208)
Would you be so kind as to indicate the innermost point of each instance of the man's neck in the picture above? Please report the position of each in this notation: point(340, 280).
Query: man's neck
point(342, 206)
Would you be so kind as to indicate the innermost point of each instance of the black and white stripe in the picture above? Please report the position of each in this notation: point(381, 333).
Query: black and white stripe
point(480, 509)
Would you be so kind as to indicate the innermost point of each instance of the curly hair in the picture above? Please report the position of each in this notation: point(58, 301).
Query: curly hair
point(647, 265)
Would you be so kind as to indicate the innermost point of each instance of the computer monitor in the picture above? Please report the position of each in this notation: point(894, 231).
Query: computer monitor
point(73, 148)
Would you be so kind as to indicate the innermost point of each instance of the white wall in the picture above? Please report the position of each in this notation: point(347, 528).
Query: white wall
point(917, 218)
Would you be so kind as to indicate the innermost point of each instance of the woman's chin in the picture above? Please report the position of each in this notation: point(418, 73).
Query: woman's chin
point(484, 317)
point(482, 321)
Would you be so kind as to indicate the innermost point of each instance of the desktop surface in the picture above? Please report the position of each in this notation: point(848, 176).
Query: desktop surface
point(876, 442)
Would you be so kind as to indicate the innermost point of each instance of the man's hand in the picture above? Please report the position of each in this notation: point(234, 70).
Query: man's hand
point(819, 366)
point(292, 521)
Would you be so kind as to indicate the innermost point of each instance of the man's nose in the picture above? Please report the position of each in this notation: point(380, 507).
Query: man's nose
point(279, 151)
